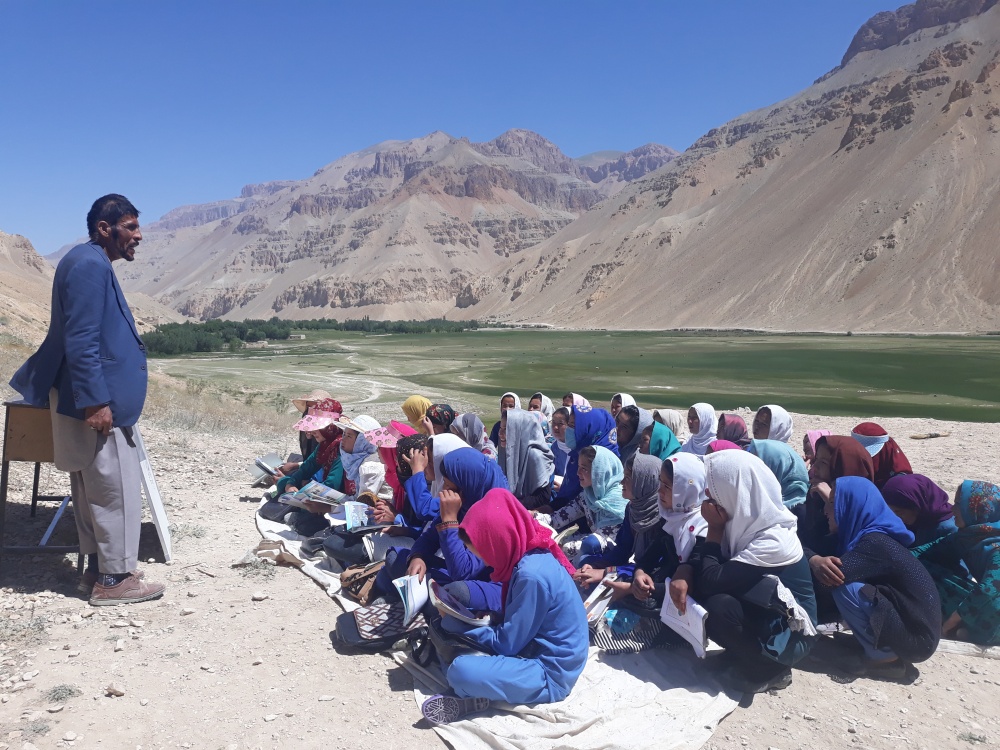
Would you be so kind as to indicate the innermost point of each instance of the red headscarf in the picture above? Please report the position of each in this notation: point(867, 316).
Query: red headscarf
point(850, 459)
point(503, 531)
point(890, 460)
point(723, 445)
point(329, 449)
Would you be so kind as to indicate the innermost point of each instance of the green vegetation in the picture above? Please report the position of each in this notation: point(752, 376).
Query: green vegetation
point(172, 339)
point(948, 377)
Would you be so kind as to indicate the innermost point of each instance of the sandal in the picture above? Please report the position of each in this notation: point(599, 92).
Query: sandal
point(444, 709)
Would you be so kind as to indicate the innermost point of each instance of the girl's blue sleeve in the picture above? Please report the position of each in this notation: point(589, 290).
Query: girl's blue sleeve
point(461, 564)
point(425, 507)
point(527, 604)
point(427, 544)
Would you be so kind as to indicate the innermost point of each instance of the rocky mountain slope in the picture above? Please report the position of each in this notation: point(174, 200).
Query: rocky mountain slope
point(869, 201)
point(26, 291)
point(396, 230)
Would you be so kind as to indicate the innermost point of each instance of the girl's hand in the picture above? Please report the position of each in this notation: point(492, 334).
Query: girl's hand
point(642, 585)
point(587, 576)
point(451, 504)
point(715, 515)
point(827, 570)
point(417, 567)
point(427, 425)
point(417, 459)
point(383, 513)
point(950, 624)
point(678, 594)
point(318, 508)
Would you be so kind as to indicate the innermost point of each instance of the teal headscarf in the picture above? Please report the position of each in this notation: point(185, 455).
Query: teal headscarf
point(604, 496)
point(979, 504)
point(787, 466)
point(664, 442)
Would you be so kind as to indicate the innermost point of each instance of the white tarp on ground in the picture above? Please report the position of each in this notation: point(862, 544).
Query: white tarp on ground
point(662, 699)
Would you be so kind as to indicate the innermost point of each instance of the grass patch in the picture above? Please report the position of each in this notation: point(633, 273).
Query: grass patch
point(973, 739)
point(186, 531)
point(37, 728)
point(62, 693)
point(257, 569)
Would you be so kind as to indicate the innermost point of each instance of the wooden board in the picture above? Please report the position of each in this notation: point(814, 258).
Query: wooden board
point(27, 434)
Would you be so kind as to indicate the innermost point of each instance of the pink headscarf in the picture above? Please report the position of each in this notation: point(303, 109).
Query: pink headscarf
point(503, 531)
point(579, 400)
point(723, 445)
point(813, 435)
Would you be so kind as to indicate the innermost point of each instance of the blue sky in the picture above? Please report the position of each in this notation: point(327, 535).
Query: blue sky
point(181, 102)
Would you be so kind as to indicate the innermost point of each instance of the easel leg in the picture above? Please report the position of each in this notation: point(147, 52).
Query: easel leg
point(3, 505)
point(34, 489)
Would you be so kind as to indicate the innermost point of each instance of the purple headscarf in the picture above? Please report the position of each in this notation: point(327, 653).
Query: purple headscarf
point(917, 492)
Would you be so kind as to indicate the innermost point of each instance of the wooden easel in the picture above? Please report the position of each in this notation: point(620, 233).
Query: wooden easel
point(27, 437)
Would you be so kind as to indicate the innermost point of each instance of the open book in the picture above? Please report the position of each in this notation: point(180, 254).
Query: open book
point(446, 604)
point(376, 545)
point(264, 467)
point(597, 603)
point(314, 491)
point(690, 626)
point(414, 594)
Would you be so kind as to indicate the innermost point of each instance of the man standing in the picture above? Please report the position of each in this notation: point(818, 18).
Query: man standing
point(91, 371)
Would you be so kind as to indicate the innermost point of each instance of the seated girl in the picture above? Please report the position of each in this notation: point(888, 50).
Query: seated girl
point(836, 456)
point(509, 400)
point(540, 402)
point(439, 418)
point(971, 609)
point(733, 427)
point(888, 458)
point(600, 506)
point(639, 536)
point(771, 422)
point(675, 421)
point(470, 428)
point(540, 647)
point(809, 447)
point(586, 427)
point(631, 422)
point(525, 457)
point(364, 472)
point(560, 451)
point(574, 399)
point(750, 575)
point(467, 476)
point(922, 506)
point(659, 441)
point(881, 590)
point(701, 422)
point(789, 469)
point(619, 401)
point(415, 408)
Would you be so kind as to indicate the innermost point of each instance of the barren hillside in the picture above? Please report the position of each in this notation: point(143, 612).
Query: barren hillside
point(869, 201)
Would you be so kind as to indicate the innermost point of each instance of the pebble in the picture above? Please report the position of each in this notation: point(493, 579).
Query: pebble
point(187, 611)
point(325, 698)
point(29, 676)
point(257, 662)
point(70, 736)
point(120, 624)
point(808, 717)
point(119, 645)
point(136, 623)
point(270, 717)
point(258, 596)
point(87, 613)
point(114, 691)
point(192, 594)
point(73, 654)
point(144, 702)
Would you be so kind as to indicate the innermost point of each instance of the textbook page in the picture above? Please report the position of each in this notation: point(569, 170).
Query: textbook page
point(690, 626)
point(376, 545)
point(413, 592)
point(446, 604)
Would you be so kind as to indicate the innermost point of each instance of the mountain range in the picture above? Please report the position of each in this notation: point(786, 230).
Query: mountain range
point(869, 201)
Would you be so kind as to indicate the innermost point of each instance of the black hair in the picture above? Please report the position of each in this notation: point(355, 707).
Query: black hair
point(568, 396)
point(403, 447)
point(563, 412)
point(668, 466)
point(632, 415)
point(590, 452)
point(111, 208)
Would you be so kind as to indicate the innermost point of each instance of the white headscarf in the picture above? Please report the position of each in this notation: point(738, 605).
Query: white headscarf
point(675, 421)
point(547, 406)
point(698, 444)
point(626, 399)
point(579, 400)
point(761, 530)
point(781, 424)
point(684, 521)
point(517, 399)
point(441, 446)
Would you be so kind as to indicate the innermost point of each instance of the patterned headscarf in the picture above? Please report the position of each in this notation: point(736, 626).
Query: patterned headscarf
point(979, 505)
point(470, 428)
point(329, 450)
point(441, 414)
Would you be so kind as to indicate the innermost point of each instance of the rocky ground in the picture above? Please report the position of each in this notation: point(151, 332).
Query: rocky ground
point(242, 657)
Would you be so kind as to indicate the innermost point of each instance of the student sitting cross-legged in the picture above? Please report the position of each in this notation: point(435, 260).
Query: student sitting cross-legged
point(540, 646)
point(750, 574)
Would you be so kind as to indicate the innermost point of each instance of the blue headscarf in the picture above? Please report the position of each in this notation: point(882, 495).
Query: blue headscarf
point(979, 504)
point(604, 496)
point(859, 509)
point(473, 473)
point(591, 427)
point(663, 443)
point(787, 466)
point(352, 461)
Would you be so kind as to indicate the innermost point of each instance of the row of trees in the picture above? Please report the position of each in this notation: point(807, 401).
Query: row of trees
point(171, 339)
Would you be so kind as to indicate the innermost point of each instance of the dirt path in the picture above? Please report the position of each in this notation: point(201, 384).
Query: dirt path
point(207, 667)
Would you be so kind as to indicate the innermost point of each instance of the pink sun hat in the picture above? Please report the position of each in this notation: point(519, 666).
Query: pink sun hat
point(388, 437)
point(316, 420)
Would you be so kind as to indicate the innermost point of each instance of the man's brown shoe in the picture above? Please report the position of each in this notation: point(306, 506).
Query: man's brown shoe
point(129, 591)
point(89, 579)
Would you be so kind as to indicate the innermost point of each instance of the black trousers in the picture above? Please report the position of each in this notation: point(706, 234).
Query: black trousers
point(739, 629)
